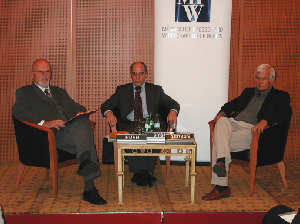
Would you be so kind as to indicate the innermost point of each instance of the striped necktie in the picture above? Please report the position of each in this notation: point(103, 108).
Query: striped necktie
point(46, 91)
point(138, 110)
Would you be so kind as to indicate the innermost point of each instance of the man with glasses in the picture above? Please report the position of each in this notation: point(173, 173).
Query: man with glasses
point(254, 110)
point(51, 106)
point(135, 101)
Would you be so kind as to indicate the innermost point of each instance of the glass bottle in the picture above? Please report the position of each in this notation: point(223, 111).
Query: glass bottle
point(151, 123)
point(147, 124)
point(156, 123)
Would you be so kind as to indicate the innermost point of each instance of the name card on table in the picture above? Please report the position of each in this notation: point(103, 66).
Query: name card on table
point(156, 137)
point(180, 138)
point(179, 135)
point(132, 138)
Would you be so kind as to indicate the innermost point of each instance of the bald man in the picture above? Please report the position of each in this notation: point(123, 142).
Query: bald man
point(120, 110)
point(51, 106)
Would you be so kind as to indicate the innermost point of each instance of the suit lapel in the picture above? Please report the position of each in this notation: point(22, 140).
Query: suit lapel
point(148, 98)
point(42, 95)
point(130, 94)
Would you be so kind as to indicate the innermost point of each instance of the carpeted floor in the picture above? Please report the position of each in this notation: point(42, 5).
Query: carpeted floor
point(169, 194)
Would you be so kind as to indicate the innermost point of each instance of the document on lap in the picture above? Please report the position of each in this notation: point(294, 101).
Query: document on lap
point(81, 114)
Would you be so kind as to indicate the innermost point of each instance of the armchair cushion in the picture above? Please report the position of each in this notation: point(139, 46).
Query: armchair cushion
point(33, 146)
point(271, 146)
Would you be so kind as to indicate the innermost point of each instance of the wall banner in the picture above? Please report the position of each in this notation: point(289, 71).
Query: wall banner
point(192, 46)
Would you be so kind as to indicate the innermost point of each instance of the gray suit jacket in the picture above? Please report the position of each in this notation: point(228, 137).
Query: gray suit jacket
point(33, 105)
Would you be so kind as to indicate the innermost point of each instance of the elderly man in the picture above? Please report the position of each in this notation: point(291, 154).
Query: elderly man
point(254, 110)
point(51, 107)
point(134, 101)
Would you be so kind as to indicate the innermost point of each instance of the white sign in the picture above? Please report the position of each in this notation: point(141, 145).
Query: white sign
point(192, 54)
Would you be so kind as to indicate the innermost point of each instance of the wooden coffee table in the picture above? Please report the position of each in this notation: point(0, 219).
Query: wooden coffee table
point(174, 149)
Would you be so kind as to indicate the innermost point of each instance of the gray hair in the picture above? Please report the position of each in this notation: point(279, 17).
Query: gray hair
point(264, 67)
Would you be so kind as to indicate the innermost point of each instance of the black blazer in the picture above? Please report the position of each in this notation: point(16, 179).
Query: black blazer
point(276, 110)
point(33, 105)
point(122, 102)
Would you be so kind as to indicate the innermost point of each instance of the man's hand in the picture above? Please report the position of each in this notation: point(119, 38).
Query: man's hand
point(260, 126)
point(218, 116)
point(54, 124)
point(172, 117)
point(80, 112)
point(111, 119)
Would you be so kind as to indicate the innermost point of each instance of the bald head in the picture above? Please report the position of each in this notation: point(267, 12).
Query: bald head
point(41, 72)
point(138, 73)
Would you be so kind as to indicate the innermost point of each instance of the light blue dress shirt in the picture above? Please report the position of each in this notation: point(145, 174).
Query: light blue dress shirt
point(130, 116)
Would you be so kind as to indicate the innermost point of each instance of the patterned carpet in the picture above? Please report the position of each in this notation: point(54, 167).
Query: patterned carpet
point(169, 194)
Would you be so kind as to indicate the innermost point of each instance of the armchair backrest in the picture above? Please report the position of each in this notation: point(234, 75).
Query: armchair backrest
point(33, 145)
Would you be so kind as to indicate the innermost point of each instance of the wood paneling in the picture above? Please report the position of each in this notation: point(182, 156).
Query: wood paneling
point(267, 31)
point(89, 58)
point(90, 53)
point(110, 35)
point(29, 30)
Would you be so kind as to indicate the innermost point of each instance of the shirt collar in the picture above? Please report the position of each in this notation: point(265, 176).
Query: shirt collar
point(142, 87)
point(42, 88)
point(262, 93)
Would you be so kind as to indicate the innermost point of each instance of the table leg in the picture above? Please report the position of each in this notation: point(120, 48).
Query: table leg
point(115, 157)
point(187, 170)
point(193, 174)
point(120, 176)
point(123, 170)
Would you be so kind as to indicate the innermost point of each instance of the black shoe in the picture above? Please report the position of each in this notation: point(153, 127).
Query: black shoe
point(142, 180)
point(219, 169)
point(87, 167)
point(135, 177)
point(151, 180)
point(93, 197)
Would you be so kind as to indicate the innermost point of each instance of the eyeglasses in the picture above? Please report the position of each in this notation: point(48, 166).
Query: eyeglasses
point(138, 73)
point(44, 72)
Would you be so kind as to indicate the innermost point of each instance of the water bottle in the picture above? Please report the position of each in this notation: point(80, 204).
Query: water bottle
point(151, 123)
point(147, 124)
point(156, 123)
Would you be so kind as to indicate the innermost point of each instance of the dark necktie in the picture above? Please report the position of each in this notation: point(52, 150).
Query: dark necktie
point(138, 110)
point(46, 91)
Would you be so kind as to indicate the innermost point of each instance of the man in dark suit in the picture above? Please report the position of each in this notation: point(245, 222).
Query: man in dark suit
point(121, 109)
point(254, 110)
point(51, 107)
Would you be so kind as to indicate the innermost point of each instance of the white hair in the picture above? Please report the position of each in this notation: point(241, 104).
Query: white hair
point(266, 67)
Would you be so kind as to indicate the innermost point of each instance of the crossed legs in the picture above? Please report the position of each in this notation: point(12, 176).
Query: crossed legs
point(229, 136)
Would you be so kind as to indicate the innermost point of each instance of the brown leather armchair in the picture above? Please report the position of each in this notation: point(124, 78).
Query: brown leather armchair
point(266, 148)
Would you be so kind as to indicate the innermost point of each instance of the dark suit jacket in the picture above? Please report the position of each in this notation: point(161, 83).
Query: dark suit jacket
point(33, 105)
point(122, 102)
point(276, 110)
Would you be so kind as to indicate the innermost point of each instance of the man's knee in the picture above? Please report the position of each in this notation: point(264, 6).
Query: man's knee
point(222, 120)
point(223, 123)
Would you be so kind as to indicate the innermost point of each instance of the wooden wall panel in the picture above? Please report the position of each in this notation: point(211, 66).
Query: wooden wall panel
point(93, 58)
point(29, 30)
point(268, 32)
point(109, 36)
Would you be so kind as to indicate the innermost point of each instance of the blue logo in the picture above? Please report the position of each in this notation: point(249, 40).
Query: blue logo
point(192, 11)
